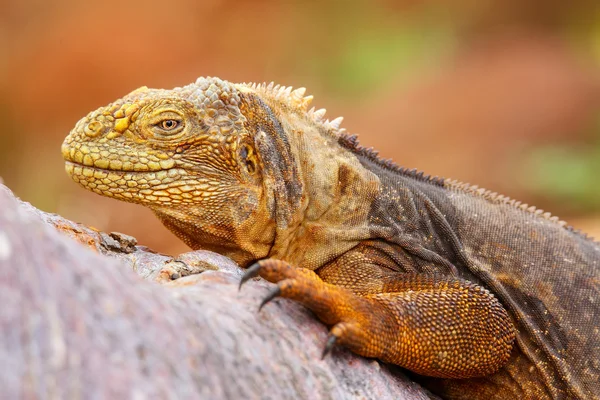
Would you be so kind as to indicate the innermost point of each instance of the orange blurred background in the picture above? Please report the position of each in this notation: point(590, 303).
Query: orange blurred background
point(502, 93)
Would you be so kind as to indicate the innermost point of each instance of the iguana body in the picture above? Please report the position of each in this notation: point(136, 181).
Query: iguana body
point(429, 274)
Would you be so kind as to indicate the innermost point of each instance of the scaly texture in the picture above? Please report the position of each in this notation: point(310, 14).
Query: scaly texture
point(430, 274)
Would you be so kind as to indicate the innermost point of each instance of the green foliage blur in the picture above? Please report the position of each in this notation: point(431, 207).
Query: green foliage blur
point(568, 174)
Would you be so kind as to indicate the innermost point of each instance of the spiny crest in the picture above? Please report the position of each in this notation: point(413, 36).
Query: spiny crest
point(351, 142)
point(285, 94)
point(297, 99)
point(497, 198)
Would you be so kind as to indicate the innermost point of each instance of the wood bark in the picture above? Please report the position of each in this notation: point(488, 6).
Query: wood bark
point(104, 319)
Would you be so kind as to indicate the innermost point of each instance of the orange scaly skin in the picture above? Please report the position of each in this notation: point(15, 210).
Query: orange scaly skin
point(393, 321)
point(430, 274)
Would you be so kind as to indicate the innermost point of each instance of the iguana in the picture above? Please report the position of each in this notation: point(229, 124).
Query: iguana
point(485, 296)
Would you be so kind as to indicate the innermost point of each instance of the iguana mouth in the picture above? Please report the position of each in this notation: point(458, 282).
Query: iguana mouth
point(71, 165)
point(115, 178)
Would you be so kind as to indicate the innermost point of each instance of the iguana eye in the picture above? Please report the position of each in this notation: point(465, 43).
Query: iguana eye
point(169, 124)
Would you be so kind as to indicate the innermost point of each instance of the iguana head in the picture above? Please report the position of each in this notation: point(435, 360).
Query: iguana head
point(191, 154)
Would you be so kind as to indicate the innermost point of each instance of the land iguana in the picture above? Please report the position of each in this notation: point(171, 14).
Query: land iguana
point(482, 296)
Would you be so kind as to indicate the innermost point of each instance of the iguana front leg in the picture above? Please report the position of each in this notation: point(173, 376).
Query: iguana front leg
point(434, 326)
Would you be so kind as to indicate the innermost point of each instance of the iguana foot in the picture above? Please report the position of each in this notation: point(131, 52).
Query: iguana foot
point(354, 320)
point(435, 326)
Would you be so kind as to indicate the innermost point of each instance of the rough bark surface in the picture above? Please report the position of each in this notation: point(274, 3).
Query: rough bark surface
point(113, 325)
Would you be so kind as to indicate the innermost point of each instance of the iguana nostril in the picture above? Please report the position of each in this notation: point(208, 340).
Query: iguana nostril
point(93, 129)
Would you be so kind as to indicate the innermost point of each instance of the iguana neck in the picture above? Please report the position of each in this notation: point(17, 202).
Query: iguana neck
point(337, 193)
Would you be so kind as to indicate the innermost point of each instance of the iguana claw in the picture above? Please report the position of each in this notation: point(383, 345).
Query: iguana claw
point(331, 339)
point(251, 272)
point(272, 294)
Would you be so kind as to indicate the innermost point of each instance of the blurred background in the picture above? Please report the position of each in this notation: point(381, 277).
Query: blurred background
point(502, 93)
